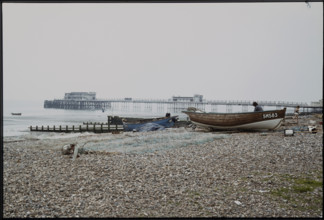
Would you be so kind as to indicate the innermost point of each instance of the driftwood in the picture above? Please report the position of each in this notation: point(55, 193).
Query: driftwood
point(75, 152)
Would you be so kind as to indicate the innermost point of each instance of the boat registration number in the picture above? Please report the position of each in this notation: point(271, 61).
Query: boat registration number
point(270, 115)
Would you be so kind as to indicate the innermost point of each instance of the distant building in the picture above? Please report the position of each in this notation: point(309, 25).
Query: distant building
point(195, 98)
point(80, 96)
point(319, 103)
point(198, 98)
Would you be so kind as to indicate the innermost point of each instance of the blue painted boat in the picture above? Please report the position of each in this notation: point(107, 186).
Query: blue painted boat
point(159, 123)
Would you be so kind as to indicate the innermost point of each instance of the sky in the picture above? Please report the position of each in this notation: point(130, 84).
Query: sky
point(223, 51)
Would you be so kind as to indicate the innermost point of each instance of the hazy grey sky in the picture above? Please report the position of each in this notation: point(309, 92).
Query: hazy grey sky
point(237, 51)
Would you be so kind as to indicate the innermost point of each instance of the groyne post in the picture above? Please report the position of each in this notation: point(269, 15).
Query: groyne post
point(109, 118)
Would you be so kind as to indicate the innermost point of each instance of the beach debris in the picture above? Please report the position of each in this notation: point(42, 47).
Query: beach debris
point(300, 128)
point(74, 149)
point(319, 116)
point(68, 149)
point(312, 122)
point(192, 126)
point(289, 132)
point(75, 152)
point(312, 129)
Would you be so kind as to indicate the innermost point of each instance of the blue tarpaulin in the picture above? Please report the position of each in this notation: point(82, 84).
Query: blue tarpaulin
point(150, 127)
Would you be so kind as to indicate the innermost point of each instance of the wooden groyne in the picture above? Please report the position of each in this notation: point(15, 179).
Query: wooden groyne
point(111, 126)
point(97, 128)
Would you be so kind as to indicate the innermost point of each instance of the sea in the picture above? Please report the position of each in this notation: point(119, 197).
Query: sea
point(34, 114)
point(16, 129)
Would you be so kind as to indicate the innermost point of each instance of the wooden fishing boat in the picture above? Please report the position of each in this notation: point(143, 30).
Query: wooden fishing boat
point(265, 120)
point(166, 122)
point(16, 114)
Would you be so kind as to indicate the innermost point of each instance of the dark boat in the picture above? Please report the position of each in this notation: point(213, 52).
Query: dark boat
point(166, 122)
point(16, 114)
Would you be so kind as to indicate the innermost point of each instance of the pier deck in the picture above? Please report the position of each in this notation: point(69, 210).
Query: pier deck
point(169, 105)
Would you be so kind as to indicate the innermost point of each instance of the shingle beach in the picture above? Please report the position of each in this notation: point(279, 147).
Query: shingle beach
point(227, 174)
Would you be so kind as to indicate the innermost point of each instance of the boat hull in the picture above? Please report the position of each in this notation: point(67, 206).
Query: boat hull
point(266, 125)
point(265, 120)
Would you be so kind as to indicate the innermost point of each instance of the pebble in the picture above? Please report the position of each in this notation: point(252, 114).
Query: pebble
point(198, 180)
point(238, 203)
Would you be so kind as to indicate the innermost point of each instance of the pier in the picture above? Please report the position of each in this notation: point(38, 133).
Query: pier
point(78, 104)
point(160, 105)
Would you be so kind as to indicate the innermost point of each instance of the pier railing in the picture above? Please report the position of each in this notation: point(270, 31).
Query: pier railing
point(99, 104)
point(216, 102)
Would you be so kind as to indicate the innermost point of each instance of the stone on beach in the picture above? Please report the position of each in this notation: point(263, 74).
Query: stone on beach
point(242, 174)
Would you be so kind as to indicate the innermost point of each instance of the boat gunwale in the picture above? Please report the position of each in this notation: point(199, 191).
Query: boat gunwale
point(233, 113)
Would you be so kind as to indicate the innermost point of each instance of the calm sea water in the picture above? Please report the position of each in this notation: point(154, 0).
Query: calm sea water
point(16, 128)
point(34, 114)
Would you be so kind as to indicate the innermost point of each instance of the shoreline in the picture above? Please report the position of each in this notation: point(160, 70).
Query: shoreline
point(243, 174)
